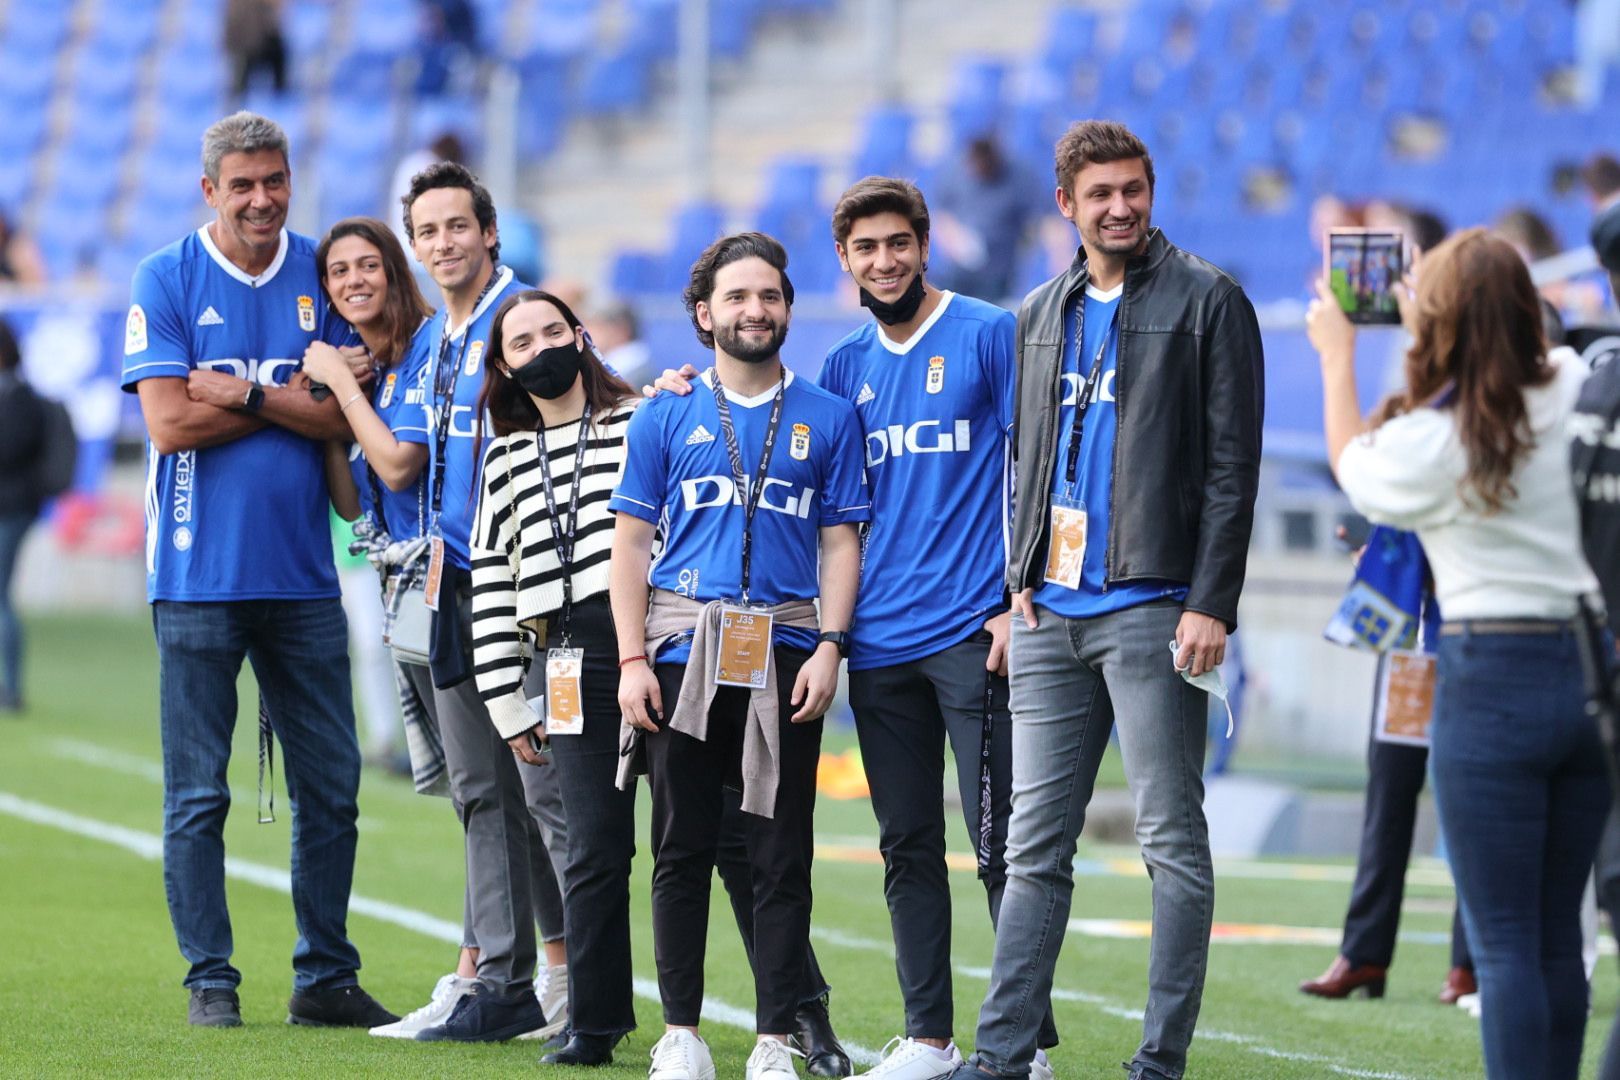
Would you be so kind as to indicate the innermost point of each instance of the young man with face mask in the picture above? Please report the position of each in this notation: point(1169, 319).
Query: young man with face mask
point(1138, 447)
point(757, 483)
point(931, 379)
point(511, 876)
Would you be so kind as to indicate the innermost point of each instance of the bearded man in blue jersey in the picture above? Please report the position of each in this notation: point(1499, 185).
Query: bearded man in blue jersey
point(239, 565)
point(931, 378)
point(1140, 396)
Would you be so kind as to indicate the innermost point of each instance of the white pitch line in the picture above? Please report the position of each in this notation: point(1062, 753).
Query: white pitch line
point(839, 939)
point(150, 847)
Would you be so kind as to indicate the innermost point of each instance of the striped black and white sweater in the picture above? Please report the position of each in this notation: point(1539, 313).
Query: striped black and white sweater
point(516, 576)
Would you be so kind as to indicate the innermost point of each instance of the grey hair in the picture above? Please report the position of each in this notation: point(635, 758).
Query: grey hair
point(240, 133)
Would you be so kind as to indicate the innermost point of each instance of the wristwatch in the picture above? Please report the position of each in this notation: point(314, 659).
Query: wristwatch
point(254, 399)
point(839, 638)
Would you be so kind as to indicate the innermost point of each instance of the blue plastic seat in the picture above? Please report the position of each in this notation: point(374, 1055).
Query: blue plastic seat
point(697, 225)
point(885, 143)
point(615, 83)
point(636, 272)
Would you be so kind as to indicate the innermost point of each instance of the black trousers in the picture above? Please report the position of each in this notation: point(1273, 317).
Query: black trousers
point(688, 777)
point(601, 835)
point(903, 715)
point(1395, 776)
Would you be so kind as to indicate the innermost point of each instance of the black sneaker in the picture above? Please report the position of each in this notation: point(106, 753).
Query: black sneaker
point(480, 1016)
point(584, 1050)
point(343, 1006)
point(215, 1006)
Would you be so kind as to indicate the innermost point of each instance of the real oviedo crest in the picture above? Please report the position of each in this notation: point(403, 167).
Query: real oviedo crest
point(475, 353)
point(388, 389)
point(936, 374)
point(799, 446)
point(306, 313)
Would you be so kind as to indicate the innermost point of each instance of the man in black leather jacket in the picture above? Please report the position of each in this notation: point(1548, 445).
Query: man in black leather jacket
point(1138, 453)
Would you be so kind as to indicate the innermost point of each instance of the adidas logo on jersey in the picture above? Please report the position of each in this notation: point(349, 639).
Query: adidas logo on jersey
point(865, 395)
point(210, 318)
point(700, 435)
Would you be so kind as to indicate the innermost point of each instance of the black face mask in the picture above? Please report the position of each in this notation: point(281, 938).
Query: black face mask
point(902, 309)
point(551, 372)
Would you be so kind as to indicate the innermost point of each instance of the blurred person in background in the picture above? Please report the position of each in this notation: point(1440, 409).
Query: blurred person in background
point(22, 445)
point(1601, 178)
point(1532, 236)
point(1470, 455)
point(447, 39)
point(982, 211)
point(254, 43)
point(217, 324)
point(512, 813)
point(445, 146)
point(617, 332)
point(20, 260)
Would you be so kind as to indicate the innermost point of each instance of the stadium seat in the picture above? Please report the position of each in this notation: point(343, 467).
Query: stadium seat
point(885, 144)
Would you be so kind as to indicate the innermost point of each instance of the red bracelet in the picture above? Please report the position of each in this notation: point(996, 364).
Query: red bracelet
point(631, 660)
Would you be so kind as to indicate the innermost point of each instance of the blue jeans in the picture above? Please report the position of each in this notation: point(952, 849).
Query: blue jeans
point(1073, 680)
point(1523, 794)
point(13, 527)
point(299, 653)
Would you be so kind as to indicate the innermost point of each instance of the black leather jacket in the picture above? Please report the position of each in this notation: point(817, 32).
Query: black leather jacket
point(1189, 396)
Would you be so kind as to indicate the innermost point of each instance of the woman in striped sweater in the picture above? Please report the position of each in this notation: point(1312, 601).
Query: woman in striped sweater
point(540, 545)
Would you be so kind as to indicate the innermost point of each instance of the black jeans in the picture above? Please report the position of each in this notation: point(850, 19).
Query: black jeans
point(903, 715)
point(601, 835)
point(1395, 777)
point(687, 777)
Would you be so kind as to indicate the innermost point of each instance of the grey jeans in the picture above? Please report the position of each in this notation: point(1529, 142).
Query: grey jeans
point(1073, 680)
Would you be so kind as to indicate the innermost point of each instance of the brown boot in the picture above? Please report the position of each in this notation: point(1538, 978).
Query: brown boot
point(1458, 982)
point(1341, 980)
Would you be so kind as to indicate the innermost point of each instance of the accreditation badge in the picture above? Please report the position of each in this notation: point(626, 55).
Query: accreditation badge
point(1066, 555)
point(1405, 702)
point(565, 711)
point(744, 654)
point(435, 573)
point(306, 313)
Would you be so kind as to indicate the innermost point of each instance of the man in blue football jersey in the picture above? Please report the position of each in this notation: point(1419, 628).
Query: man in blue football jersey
point(931, 378)
point(726, 668)
point(239, 564)
point(1140, 395)
point(511, 876)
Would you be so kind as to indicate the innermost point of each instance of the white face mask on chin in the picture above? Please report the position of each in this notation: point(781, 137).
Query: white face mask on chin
point(1210, 682)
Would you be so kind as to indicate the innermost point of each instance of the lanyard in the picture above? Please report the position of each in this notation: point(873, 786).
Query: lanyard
point(444, 392)
point(1086, 393)
point(562, 537)
point(751, 504)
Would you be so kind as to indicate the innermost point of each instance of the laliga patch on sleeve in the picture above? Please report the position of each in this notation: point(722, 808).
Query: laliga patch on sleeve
point(135, 331)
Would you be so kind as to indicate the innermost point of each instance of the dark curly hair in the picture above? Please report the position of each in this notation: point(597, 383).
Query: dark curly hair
point(724, 252)
point(450, 174)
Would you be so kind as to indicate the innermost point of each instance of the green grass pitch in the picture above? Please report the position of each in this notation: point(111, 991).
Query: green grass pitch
point(92, 975)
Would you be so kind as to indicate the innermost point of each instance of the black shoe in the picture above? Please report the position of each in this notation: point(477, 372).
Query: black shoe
point(215, 1006)
point(584, 1050)
point(480, 1016)
point(343, 1006)
point(824, 1055)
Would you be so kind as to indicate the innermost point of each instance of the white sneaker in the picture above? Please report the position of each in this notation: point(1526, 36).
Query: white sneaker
point(772, 1060)
point(446, 992)
point(908, 1059)
point(552, 990)
point(681, 1055)
point(1040, 1068)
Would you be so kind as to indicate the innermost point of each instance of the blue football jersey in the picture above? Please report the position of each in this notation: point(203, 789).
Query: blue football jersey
point(463, 468)
point(936, 413)
point(1094, 474)
point(677, 474)
point(245, 520)
point(400, 400)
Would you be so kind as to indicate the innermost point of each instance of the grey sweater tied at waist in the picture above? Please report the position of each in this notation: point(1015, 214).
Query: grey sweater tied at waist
point(669, 615)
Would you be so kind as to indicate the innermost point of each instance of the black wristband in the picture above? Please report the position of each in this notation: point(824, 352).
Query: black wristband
point(839, 638)
point(255, 398)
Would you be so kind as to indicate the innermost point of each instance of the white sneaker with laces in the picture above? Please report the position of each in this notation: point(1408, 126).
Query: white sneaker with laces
point(772, 1059)
point(681, 1055)
point(1040, 1068)
point(552, 990)
point(908, 1059)
point(446, 992)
